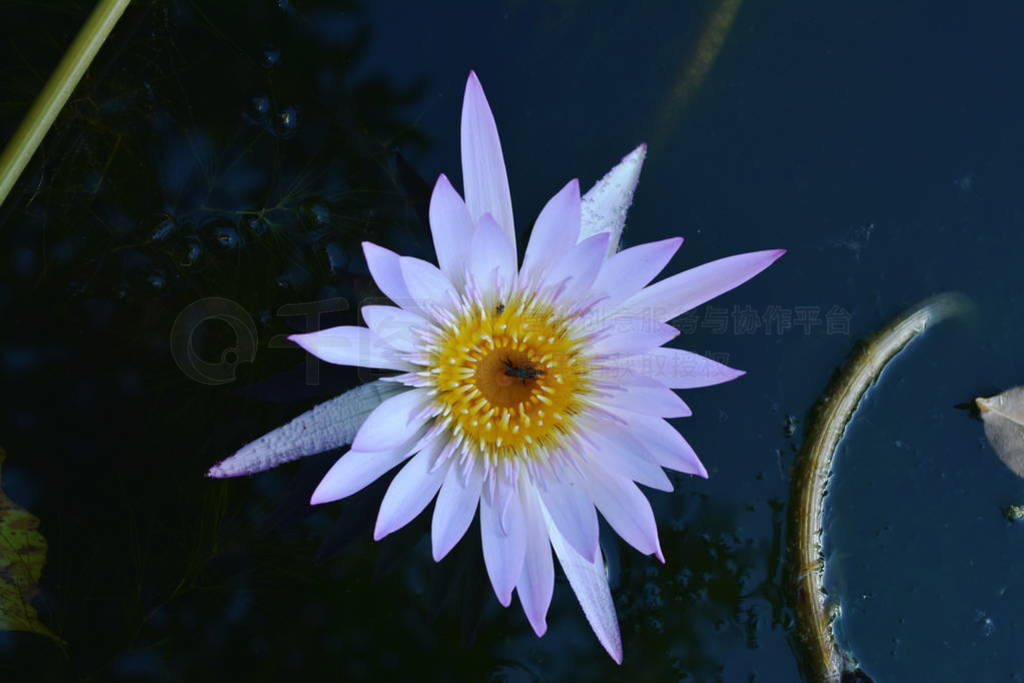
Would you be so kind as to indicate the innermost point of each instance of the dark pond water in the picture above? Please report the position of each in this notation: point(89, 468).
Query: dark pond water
point(244, 149)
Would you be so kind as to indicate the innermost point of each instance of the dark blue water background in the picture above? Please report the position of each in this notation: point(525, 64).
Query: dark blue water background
point(244, 149)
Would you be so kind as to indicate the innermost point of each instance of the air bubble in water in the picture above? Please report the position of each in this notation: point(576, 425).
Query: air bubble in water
point(191, 252)
point(258, 110)
point(255, 225)
point(226, 237)
point(316, 214)
point(163, 229)
point(270, 57)
point(157, 280)
point(286, 122)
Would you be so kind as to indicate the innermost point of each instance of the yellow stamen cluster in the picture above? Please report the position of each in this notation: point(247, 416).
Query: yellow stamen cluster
point(510, 378)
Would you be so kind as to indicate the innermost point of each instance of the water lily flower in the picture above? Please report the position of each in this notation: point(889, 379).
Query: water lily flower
point(534, 392)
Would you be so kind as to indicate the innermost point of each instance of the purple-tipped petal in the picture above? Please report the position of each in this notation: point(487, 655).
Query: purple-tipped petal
point(625, 507)
point(356, 470)
point(426, 283)
point(630, 270)
point(605, 205)
point(666, 445)
point(491, 255)
point(393, 421)
point(573, 513)
point(581, 265)
point(394, 326)
point(684, 291)
point(452, 229)
point(628, 335)
point(537, 581)
point(483, 166)
point(386, 270)
point(589, 581)
point(675, 368)
point(349, 345)
point(409, 492)
point(504, 548)
point(331, 424)
point(620, 453)
point(555, 231)
point(648, 397)
point(454, 510)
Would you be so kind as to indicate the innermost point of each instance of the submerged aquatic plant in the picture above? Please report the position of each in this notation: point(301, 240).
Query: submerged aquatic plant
point(536, 392)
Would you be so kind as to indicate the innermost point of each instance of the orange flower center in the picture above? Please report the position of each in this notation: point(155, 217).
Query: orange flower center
point(511, 378)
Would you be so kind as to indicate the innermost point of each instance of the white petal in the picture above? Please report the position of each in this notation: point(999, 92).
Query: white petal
point(605, 205)
point(624, 455)
point(409, 492)
point(492, 256)
point(629, 335)
point(573, 512)
point(356, 470)
point(426, 283)
point(589, 581)
point(675, 368)
point(331, 424)
point(537, 581)
point(684, 291)
point(666, 445)
point(630, 270)
point(504, 550)
point(387, 273)
point(452, 229)
point(350, 345)
point(393, 421)
point(454, 510)
point(555, 231)
point(625, 508)
point(581, 264)
point(483, 166)
point(394, 326)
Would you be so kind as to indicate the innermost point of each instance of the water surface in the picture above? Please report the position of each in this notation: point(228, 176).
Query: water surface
point(243, 151)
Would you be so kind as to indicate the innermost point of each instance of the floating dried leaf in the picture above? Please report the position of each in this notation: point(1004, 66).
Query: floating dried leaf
point(1003, 416)
point(22, 556)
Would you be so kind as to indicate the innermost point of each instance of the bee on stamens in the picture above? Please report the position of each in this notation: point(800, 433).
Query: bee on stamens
point(521, 372)
point(499, 309)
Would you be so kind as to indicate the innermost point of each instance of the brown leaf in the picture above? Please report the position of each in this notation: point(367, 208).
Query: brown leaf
point(1003, 416)
point(22, 556)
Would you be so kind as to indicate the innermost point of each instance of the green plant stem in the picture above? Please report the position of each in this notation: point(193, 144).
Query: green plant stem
point(51, 100)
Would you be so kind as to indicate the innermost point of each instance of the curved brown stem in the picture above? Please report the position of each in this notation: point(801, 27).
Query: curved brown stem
point(823, 660)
